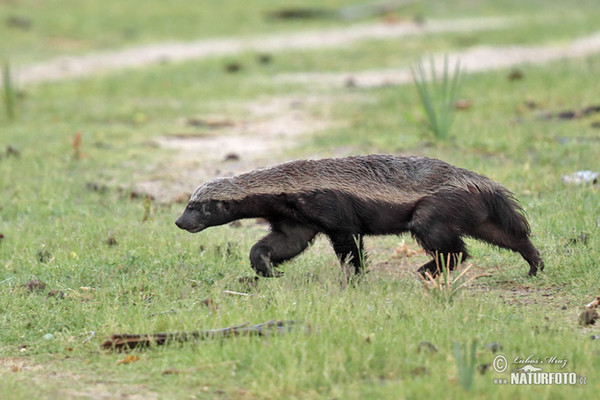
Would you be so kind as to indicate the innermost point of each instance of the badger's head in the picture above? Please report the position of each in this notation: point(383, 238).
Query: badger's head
point(209, 206)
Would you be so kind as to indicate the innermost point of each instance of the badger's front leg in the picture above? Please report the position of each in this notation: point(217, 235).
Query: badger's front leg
point(286, 240)
point(439, 239)
point(349, 249)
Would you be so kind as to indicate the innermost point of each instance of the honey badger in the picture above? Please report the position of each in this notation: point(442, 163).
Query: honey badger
point(347, 198)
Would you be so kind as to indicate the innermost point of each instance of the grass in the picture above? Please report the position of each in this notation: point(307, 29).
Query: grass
point(37, 31)
point(466, 363)
point(437, 94)
point(445, 287)
point(124, 267)
point(9, 93)
point(44, 30)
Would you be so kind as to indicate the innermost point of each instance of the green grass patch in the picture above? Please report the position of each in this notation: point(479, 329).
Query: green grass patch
point(38, 30)
point(9, 92)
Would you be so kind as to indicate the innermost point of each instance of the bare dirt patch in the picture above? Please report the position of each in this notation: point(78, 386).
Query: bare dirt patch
point(272, 126)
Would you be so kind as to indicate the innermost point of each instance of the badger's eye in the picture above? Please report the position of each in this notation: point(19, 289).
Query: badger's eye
point(223, 206)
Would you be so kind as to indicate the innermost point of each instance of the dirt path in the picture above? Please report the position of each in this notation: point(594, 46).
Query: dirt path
point(95, 63)
point(232, 146)
point(476, 59)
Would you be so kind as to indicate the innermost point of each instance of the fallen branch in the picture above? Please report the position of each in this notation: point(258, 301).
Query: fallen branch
point(123, 341)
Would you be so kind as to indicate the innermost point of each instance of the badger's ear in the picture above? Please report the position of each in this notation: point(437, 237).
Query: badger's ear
point(223, 206)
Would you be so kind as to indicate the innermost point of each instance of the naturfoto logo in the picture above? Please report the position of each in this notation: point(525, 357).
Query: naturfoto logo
point(530, 372)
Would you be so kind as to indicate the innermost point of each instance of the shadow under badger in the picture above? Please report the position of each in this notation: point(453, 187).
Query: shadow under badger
point(347, 198)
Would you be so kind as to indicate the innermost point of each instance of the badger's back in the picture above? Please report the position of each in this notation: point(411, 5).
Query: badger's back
point(385, 178)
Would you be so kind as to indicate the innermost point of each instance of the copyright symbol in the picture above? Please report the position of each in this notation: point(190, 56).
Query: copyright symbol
point(499, 364)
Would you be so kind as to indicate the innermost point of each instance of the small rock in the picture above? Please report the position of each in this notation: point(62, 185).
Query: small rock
point(48, 336)
point(515, 75)
point(232, 157)
point(591, 110)
point(12, 151)
point(569, 114)
point(18, 22)
point(595, 337)
point(233, 67)
point(210, 123)
point(588, 317)
point(264, 58)
point(111, 241)
point(35, 285)
point(350, 82)
point(581, 177)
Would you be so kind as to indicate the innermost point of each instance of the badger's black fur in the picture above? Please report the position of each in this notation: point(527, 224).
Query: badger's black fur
point(347, 198)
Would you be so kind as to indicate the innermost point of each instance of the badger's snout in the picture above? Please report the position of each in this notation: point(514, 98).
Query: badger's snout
point(180, 222)
point(188, 223)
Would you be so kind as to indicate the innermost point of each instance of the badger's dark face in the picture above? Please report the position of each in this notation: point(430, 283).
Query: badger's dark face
point(201, 215)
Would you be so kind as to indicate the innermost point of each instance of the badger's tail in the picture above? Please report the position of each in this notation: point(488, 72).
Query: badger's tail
point(506, 212)
point(507, 227)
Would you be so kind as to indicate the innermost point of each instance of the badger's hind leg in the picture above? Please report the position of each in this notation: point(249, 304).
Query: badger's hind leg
point(441, 260)
point(349, 249)
point(440, 241)
point(516, 241)
point(286, 241)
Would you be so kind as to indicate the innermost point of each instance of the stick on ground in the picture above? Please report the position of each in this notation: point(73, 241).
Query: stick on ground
point(123, 341)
